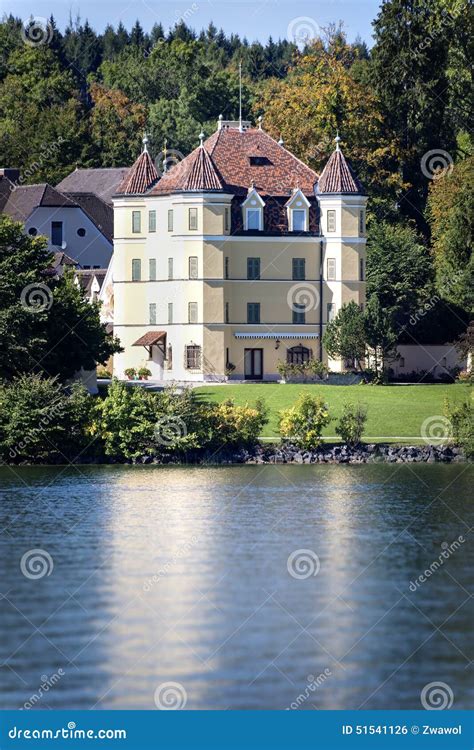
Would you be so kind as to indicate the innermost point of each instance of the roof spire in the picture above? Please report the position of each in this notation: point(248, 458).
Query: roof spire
point(201, 138)
point(260, 120)
point(281, 141)
point(241, 130)
point(145, 141)
point(337, 140)
point(165, 157)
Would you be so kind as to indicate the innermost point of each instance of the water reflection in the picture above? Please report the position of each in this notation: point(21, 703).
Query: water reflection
point(180, 574)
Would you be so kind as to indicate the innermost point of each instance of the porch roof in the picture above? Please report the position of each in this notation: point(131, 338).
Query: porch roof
point(150, 338)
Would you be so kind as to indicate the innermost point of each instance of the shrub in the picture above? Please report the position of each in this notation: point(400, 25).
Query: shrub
point(351, 424)
point(312, 369)
point(303, 423)
point(466, 376)
point(124, 421)
point(103, 372)
point(144, 373)
point(40, 420)
point(237, 426)
point(461, 417)
point(130, 373)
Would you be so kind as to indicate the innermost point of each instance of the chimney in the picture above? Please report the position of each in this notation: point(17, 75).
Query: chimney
point(11, 174)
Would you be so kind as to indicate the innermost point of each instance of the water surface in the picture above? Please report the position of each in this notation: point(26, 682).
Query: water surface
point(181, 574)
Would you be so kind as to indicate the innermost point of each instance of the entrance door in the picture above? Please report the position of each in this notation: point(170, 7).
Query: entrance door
point(253, 364)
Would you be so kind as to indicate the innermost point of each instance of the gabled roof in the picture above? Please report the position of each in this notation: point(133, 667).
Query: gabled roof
point(101, 182)
point(140, 178)
point(240, 159)
point(85, 277)
point(25, 198)
point(99, 212)
point(339, 177)
point(150, 338)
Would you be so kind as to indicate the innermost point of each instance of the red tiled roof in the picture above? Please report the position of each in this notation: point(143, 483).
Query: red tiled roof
point(338, 176)
point(141, 177)
point(276, 173)
point(150, 338)
point(201, 173)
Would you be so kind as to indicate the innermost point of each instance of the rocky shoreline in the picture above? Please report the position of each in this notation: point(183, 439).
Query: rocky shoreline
point(326, 454)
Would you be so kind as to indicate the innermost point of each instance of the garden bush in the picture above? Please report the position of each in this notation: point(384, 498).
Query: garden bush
point(303, 423)
point(351, 424)
point(41, 420)
point(461, 417)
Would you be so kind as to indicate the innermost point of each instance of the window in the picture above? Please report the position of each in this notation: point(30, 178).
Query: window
point(57, 233)
point(170, 268)
point(33, 231)
point(81, 232)
point(169, 358)
point(401, 362)
point(362, 221)
point(193, 267)
point(331, 269)
point(361, 269)
point(331, 311)
point(136, 269)
point(253, 312)
point(444, 362)
point(152, 221)
point(297, 355)
point(193, 218)
point(226, 267)
point(253, 218)
point(152, 313)
point(170, 220)
point(170, 313)
point(226, 313)
point(331, 221)
point(192, 357)
point(299, 314)
point(136, 222)
point(299, 269)
point(253, 268)
point(226, 219)
point(192, 312)
point(152, 269)
point(298, 220)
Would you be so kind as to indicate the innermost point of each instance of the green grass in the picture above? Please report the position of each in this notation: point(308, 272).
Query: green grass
point(396, 411)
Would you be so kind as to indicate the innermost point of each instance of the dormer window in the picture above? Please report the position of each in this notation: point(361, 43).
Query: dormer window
point(298, 212)
point(253, 211)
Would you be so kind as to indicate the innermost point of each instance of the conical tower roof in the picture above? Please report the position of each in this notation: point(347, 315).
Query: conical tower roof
point(338, 176)
point(141, 176)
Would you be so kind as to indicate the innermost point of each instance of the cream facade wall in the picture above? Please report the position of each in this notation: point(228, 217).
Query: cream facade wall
point(222, 290)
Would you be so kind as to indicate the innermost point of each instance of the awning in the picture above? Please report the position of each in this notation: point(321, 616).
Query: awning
point(277, 335)
point(151, 338)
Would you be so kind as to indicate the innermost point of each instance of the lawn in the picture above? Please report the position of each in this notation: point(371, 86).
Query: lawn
point(396, 411)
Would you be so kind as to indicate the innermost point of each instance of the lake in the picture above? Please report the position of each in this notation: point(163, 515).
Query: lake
point(245, 587)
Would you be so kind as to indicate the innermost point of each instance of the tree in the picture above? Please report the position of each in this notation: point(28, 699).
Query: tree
point(451, 217)
point(320, 96)
point(381, 336)
point(399, 271)
point(409, 76)
point(116, 126)
point(46, 325)
point(345, 335)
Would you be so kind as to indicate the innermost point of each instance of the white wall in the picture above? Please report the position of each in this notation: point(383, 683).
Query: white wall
point(435, 359)
point(93, 250)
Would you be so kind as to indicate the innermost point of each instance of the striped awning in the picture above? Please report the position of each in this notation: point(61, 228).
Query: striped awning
point(283, 335)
